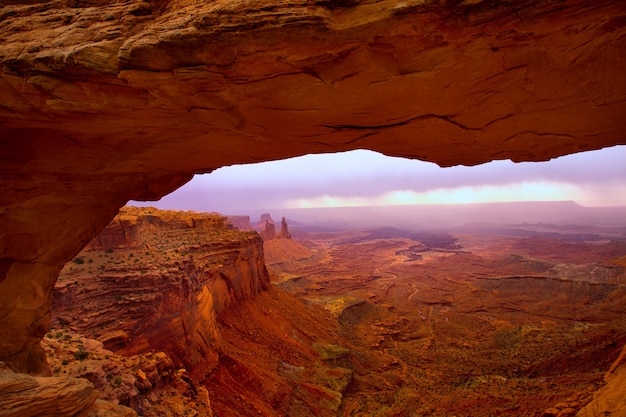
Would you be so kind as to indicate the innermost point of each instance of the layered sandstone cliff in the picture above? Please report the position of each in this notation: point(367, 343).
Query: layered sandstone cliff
point(240, 222)
point(174, 305)
point(159, 282)
point(106, 101)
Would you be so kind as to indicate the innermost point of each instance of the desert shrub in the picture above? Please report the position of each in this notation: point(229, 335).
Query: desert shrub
point(81, 354)
point(78, 261)
point(508, 338)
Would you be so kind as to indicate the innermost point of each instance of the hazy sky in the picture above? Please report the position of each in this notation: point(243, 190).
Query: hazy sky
point(596, 178)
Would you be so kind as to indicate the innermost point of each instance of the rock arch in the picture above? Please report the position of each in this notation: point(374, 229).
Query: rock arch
point(106, 101)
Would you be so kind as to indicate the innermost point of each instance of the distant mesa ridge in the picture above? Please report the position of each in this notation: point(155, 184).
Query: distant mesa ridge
point(240, 222)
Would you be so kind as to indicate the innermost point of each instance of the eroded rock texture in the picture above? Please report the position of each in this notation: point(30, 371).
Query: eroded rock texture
point(156, 280)
point(609, 400)
point(25, 395)
point(105, 101)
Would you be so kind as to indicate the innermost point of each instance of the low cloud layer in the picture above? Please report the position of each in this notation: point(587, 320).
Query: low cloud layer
point(596, 178)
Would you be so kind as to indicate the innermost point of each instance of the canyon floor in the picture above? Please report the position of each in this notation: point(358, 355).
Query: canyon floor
point(383, 322)
point(465, 324)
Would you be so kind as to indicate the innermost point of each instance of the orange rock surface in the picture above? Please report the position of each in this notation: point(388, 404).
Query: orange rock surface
point(469, 324)
point(156, 280)
point(107, 101)
point(149, 383)
point(384, 322)
point(180, 303)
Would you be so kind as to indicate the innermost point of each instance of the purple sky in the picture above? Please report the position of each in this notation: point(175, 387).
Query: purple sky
point(596, 178)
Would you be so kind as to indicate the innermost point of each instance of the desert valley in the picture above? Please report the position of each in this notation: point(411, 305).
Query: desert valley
point(467, 310)
point(177, 313)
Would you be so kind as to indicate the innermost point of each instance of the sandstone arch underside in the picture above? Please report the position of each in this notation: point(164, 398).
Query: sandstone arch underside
point(105, 101)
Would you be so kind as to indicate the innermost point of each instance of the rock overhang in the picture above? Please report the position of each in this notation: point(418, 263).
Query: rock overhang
point(103, 102)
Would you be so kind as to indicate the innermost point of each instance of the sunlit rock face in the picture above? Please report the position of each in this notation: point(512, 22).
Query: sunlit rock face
point(108, 101)
point(156, 280)
point(609, 400)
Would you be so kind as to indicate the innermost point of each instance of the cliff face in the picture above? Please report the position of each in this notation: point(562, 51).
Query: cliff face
point(240, 222)
point(609, 400)
point(162, 285)
point(134, 228)
point(103, 102)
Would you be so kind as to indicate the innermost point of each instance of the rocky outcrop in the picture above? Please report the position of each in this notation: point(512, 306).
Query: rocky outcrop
point(267, 228)
point(147, 384)
point(609, 400)
point(284, 229)
point(106, 101)
point(269, 231)
point(263, 221)
point(240, 222)
point(135, 228)
point(162, 289)
point(23, 395)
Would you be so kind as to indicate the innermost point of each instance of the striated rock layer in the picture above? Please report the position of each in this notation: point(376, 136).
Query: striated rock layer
point(24, 395)
point(240, 222)
point(148, 384)
point(105, 101)
point(162, 286)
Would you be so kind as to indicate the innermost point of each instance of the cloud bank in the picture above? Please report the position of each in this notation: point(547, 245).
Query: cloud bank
point(596, 178)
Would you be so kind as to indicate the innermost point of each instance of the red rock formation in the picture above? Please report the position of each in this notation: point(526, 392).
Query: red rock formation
point(166, 295)
point(136, 228)
point(148, 383)
point(103, 102)
point(240, 222)
point(609, 400)
point(284, 229)
point(269, 232)
point(267, 228)
point(24, 395)
point(263, 221)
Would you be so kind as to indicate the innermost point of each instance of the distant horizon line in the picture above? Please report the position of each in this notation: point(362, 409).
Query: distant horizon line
point(473, 203)
point(145, 204)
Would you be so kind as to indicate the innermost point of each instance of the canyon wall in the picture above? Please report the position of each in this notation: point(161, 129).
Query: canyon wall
point(134, 228)
point(159, 283)
point(240, 222)
point(609, 400)
point(104, 101)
